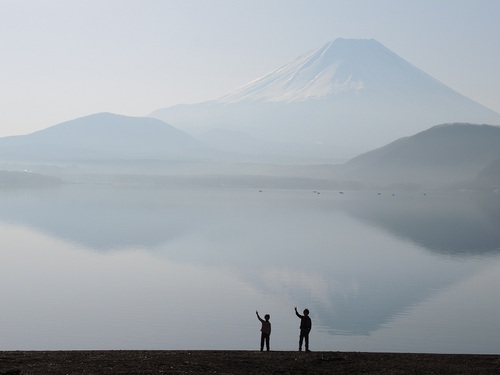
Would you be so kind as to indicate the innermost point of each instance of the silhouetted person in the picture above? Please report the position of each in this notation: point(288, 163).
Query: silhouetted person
point(305, 328)
point(265, 331)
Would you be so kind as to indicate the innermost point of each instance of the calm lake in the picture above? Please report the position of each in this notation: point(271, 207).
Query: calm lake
point(102, 267)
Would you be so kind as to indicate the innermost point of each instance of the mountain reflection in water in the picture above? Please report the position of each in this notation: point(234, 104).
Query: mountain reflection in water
point(455, 224)
point(357, 260)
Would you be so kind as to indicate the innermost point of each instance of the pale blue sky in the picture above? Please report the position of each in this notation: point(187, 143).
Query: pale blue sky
point(62, 59)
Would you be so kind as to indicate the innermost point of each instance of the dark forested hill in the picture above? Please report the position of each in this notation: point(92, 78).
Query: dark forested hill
point(489, 177)
point(441, 155)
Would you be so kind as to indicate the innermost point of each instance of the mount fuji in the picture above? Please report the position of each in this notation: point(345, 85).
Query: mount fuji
point(343, 99)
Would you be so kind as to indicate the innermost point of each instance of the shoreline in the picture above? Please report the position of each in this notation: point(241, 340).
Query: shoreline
point(241, 362)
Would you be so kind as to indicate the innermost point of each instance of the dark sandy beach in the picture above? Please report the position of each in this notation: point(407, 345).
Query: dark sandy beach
point(242, 362)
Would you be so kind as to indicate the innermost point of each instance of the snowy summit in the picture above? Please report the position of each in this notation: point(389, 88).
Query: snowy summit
point(340, 66)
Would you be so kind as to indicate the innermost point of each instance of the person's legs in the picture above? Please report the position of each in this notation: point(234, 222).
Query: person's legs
point(306, 338)
point(262, 337)
point(267, 341)
point(301, 338)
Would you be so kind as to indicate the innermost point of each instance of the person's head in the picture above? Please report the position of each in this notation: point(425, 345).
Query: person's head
point(306, 312)
point(267, 317)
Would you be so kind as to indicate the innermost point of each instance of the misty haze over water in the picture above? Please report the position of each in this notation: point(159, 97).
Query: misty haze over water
point(121, 267)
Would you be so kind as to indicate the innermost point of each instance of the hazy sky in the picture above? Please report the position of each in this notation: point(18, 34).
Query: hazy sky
point(62, 59)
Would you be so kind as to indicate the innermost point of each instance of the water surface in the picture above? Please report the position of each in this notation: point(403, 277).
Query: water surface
point(103, 267)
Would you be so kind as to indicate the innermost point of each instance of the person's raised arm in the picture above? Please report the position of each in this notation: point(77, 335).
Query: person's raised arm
point(297, 313)
point(258, 317)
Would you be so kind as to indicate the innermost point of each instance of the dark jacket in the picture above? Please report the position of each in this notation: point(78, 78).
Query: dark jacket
point(266, 325)
point(305, 321)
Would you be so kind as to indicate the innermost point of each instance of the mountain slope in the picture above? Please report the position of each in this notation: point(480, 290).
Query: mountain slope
point(336, 68)
point(489, 177)
point(103, 136)
point(347, 97)
point(443, 154)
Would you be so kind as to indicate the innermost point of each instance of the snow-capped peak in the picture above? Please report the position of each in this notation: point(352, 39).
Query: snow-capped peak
point(344, 65)
point(315, 74)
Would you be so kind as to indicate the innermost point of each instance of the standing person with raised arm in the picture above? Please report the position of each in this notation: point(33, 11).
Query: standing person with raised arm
point(305, 328)
point(265, 331)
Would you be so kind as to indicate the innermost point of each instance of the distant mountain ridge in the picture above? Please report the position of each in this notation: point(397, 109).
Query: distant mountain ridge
point(448, 155)
point(345, 98)
point(16, 179)
point(104, 136)
point(443, 154)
